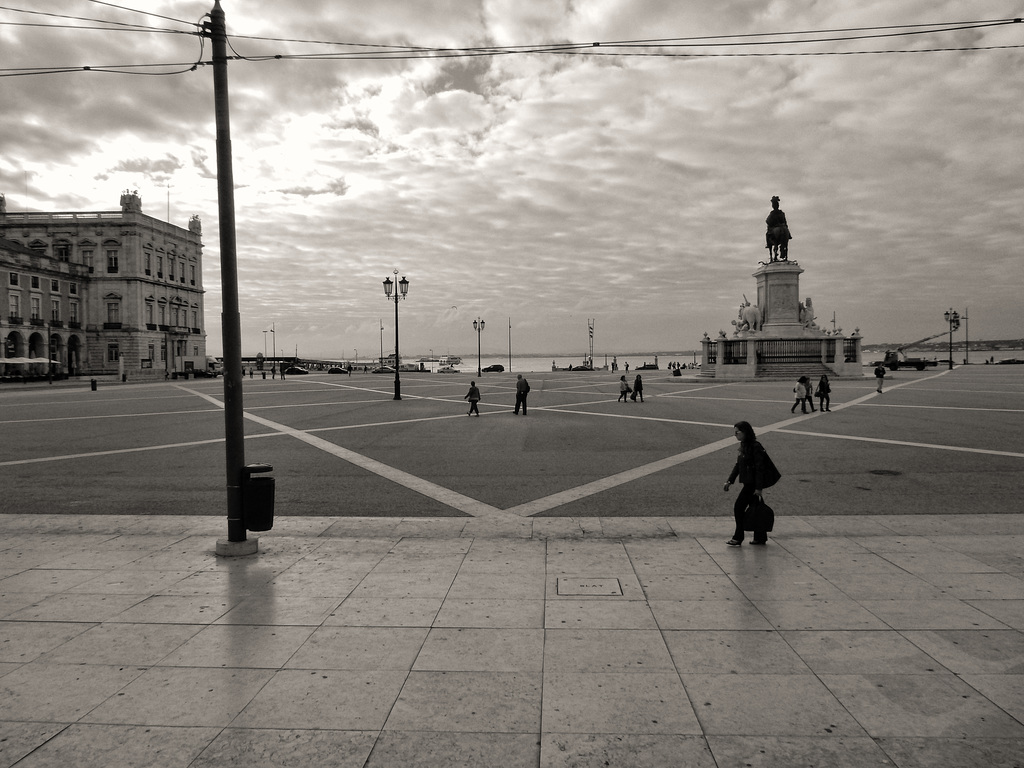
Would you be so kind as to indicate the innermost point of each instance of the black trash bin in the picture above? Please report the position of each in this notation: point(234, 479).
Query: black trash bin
point(257, 497)
point(92, 384)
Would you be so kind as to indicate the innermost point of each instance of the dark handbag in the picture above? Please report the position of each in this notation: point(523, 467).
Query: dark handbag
point(758, 517)
point(770, 474)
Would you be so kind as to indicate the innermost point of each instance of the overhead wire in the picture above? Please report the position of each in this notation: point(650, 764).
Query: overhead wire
point(701, 47)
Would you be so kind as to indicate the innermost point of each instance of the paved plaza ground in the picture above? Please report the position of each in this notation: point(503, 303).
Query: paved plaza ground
point(548, 590)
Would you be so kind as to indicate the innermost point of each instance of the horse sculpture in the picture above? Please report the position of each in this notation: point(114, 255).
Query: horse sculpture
point(778, 243)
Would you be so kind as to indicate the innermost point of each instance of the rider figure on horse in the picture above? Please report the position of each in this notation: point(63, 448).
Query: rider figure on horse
point(777, 236)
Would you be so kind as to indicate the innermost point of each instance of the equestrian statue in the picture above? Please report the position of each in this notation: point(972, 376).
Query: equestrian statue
point(777, 236)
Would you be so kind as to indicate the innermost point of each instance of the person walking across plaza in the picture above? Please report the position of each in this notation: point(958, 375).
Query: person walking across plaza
point(879, 376)
point(474, 397)
point(623, 389)
point(808, 393)
point(799, 395)
point(750, 470)
point(638, 389)
point(822, 392)
point(522, 390)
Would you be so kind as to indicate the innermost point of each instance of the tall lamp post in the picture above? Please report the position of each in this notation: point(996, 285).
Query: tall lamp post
point(953, 318)
point(478, 326)
point(400, 290)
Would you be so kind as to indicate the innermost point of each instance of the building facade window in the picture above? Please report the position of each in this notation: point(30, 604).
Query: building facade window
point(170, 268)
point(55, 286)
point(55, 310)
point(14, 278)
point(113, 352)
point(73, 289)
point(149, 263)
point(35, 281)
point(62, 250)
point(113, 312)
point(159, 266)
point(15, 304)
point(112, 261)
point(149, 313)
point(87, 257)
point(192, 273)
point(36, 307)
point(73, 312)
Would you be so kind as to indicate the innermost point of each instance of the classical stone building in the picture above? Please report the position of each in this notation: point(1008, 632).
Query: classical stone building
point(107, 292)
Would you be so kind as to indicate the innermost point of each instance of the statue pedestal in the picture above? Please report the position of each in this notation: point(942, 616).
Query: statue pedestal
point(778, 296)
point(788, 344)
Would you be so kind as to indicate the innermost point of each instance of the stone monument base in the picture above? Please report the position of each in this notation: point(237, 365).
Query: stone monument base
point(778, 338)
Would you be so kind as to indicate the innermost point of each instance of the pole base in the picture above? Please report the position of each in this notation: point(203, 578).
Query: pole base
point(226, 548)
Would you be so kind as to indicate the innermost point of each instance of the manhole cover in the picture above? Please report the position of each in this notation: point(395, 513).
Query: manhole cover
point(884, 472)
point(572, 585)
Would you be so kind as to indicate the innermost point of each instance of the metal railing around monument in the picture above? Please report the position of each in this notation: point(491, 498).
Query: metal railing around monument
point(771, 351)
point(735, 352)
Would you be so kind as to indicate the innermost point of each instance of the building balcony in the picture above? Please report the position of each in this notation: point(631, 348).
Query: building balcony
point(163, 327)
point(37, 321)
point(112, 326)
point(74, 324)
point(150, 326)
point(15, 320)
point(56, 323)
point(197, 330)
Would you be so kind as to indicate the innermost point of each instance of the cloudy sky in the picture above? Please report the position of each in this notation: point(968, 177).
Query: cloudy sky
point(542, 183)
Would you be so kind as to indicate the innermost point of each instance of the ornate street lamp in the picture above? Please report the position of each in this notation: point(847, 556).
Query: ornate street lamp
point(402, 290)
point(953, 318)
point(478, 326)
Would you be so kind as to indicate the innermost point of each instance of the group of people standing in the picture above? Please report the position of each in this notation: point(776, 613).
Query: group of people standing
point(804, 394)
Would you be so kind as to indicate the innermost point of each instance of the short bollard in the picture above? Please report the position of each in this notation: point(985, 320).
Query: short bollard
point(257, 498)
point(92, 384)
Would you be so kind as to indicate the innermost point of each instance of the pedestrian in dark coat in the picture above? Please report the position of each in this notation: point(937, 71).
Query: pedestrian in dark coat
point(474, 397)
point(749, 469)
point(638, 389)
point(879, 376)
point(623, 389)
point(824, 388)
point(522, 390)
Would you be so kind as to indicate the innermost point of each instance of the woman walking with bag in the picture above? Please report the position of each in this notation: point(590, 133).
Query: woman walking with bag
point(623, 389)
point(824, 388)
point(756, 472)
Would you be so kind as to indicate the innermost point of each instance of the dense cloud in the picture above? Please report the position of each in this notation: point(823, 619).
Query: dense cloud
point(549, 188)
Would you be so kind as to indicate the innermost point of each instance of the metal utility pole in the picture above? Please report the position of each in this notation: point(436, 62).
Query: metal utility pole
point(231, 328)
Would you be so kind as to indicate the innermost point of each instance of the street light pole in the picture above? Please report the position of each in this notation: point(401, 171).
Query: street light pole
point(478, 326)
point(231, 328)
point(400, 288)
point(953, 318)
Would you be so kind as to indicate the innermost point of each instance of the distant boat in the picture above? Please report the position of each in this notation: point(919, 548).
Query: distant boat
point(449, 360)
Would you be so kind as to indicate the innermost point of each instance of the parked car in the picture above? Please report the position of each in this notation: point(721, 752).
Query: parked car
point(447, 369)
point(383, 369)
point(336, 369)
point(494, 369)
point(295, 370)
